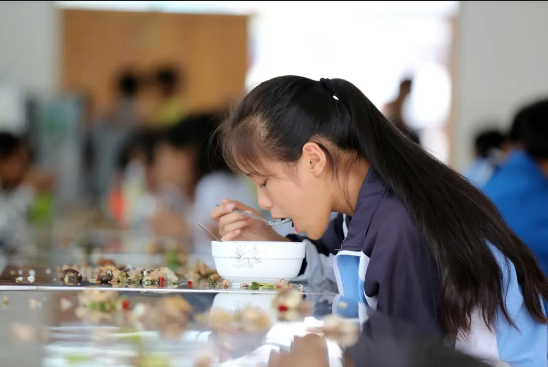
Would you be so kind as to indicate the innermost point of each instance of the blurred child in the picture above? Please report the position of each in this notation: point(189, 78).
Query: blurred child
point(126, 110)
point(135, 179)
point(18, 187)
point(188, 161)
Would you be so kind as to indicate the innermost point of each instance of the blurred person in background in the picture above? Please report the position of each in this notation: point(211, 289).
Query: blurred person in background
point(513, 139)
point(19, 184)
point(134, 181)
point(488, 153)
point(126, 112)
point(171, 107)
point(114, 129)
point(519, 188)
point(189, 162)
point(393, 111)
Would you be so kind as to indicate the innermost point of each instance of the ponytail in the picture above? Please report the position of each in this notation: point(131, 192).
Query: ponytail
point(457, 222)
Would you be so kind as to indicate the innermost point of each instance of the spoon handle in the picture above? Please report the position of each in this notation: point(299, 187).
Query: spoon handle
point(211, 234)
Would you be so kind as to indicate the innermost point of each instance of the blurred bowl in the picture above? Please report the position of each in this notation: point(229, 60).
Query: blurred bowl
point(236, 301)
point(257, 261)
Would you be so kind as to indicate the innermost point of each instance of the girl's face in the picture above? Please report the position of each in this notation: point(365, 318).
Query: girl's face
point(302, 192)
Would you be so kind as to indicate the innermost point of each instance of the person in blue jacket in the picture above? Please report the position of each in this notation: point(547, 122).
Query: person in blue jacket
point(414, 239)
point(519, 188)
point(488, 154)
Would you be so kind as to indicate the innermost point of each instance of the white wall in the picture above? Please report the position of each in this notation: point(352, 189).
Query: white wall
point(29, 44)
point(503, 62)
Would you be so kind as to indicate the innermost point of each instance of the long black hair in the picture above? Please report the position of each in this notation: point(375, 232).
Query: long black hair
point(456, 220)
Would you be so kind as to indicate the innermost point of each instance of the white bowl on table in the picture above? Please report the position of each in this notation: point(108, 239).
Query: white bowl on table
point(257, 261)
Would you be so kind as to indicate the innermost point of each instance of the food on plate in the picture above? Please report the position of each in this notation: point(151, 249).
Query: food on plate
point(225, 284)
point(71, 276)
point(162, 276)
point(111, 274)
point(282, 284)
point(97, 299)
point(5, 301)
point(135, 275)
point(175, 307)
point(172, 315)
point(253, 319)
point(166, 275)
point(212, 284)
point(97, 304)
point(200, 272)
point(249, 319)
point(290, 304)
point(86, 271)
point(345, 333)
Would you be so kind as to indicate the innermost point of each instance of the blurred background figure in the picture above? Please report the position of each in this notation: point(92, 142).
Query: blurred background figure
point(126, 110)
point(20, 186)
point(131, 196)
point(519, 188)
point(394, 110)
point(193, 177)
point(110, 131)
point(488, 155)
point(171, 106)
point(513, 140)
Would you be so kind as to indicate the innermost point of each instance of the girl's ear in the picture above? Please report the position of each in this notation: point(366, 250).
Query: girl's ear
point(315, 158)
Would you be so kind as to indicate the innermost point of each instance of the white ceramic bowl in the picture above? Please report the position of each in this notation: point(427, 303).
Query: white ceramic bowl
point(257, 261)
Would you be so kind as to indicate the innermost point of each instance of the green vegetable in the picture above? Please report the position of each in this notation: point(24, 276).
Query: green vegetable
point(133, 336)
point(255, 286)
point(151, 360)
point(172, 260)
point(212, 283)
point(77, 359)
point(93, 306)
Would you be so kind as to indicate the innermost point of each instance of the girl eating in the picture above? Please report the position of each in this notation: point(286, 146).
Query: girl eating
point(413, 238)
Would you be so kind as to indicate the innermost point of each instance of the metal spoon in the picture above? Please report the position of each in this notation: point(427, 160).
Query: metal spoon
point(211, 234)
point(276, 222)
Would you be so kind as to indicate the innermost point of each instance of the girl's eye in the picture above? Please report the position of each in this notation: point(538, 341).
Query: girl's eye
point(263, 185)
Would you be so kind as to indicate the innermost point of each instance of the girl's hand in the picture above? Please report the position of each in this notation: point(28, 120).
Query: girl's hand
point(237, 226)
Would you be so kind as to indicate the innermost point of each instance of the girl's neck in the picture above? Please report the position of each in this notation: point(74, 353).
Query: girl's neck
point(347, 187)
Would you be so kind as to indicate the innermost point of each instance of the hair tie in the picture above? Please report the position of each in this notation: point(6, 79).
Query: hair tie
point(329, 86)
